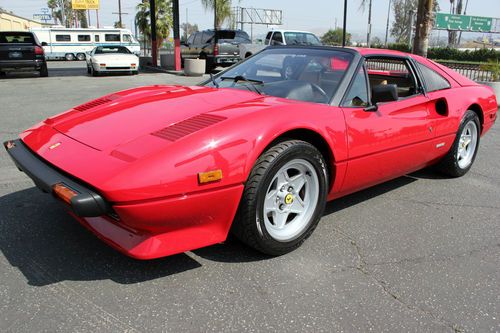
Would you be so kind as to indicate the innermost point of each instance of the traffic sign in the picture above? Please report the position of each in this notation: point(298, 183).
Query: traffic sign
point(445, 21)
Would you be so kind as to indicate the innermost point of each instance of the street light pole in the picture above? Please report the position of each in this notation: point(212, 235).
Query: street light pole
point(387, 25)
point(344, 24)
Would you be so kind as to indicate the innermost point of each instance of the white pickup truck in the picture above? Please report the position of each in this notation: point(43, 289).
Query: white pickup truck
point(280, 37)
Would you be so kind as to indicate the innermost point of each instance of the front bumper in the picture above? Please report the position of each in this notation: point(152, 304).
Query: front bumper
point(144, 229)
point(87, 203)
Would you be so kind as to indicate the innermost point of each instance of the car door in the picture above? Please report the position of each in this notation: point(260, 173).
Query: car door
point(392, 139)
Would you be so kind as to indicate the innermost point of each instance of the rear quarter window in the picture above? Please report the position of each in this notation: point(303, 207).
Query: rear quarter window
point(433, 80)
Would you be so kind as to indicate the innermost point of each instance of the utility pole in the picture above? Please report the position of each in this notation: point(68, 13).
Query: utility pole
point(344, 24)
point(215, 14)
point(88, 17)
point(387, 25)
point(152, 13)
point(63, 14)
point(120, 13)
point(369, 33)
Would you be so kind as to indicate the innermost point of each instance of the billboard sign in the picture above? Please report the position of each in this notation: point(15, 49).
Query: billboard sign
point(85, 4)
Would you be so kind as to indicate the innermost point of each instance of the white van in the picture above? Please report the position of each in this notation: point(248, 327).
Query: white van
point(72, 43)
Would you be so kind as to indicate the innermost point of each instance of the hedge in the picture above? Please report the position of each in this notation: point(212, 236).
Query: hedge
point(448, 53)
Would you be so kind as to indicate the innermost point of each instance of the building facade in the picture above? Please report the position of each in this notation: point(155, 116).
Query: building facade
point(12, 22)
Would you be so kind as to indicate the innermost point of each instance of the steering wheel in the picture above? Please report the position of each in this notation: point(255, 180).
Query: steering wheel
point(319, 90)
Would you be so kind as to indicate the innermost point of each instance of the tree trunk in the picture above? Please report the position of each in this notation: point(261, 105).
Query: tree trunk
point(423, 28)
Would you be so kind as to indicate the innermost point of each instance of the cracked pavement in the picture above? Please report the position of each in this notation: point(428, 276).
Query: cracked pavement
point(420, 253)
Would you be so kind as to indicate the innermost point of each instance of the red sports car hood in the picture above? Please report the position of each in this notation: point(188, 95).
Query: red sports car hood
point(130, 116)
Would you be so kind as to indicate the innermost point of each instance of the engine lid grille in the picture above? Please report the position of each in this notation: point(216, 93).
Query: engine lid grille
point(181, 129)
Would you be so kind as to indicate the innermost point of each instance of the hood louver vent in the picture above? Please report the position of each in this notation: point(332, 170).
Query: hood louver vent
point(96, 102)
point(181, 129)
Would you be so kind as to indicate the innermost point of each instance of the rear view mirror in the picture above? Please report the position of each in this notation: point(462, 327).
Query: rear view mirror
point(384, 93)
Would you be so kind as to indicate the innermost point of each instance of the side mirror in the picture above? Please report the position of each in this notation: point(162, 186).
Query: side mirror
point(44, 44)
point(384, 93)
point(371, 108)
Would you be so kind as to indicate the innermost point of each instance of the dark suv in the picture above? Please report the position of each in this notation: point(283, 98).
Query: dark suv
point(21, 51)
point(218, 47)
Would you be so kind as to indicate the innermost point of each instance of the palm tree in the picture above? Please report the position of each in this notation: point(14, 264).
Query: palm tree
point(369, 33)
point(424, 25)
point(223, 10)
point(163, 20)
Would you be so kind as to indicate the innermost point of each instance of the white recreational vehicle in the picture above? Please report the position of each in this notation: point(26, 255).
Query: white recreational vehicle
point(72, 43)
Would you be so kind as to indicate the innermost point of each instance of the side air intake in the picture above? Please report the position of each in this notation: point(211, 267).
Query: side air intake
point(181, 129)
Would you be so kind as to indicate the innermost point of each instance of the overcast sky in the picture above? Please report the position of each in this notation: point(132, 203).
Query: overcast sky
point(313, 15)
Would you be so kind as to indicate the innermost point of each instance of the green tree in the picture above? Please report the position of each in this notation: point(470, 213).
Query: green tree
point(188, 29)
point(223, 10)
point(403, 11)
point(334, 37)
point(163, 20)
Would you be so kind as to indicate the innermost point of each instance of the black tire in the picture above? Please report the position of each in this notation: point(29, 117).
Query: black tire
point(3, 74)
point(88, 70)
point(94, 72)
point(69, 56)
point(44, 72)
point(80, 56)
point(249, 226)
point(449, 165)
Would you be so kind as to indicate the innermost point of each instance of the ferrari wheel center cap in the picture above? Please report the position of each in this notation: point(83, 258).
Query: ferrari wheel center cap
point(288, 199)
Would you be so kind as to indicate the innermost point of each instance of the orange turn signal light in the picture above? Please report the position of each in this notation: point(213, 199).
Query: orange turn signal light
point(209, 176)
point(64, 193)
point(102, 65)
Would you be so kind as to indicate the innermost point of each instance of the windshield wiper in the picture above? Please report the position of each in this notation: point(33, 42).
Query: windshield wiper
point(239, 78)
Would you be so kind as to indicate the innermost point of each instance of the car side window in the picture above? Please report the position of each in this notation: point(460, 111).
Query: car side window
point(63, 38)
point(433, 80)
point(357, 95)
point(392, 71)
point(277, 38)
point(191, 39)
point(268, 37)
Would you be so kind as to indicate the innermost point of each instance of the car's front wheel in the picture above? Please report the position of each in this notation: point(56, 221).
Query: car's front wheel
point(283, 199)
point(462, 154)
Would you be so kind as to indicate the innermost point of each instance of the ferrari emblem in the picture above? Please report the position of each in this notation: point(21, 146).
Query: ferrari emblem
point(55, 145)
point(288, 199)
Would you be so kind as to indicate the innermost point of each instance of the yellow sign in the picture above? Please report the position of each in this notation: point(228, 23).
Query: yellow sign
point(85, 4)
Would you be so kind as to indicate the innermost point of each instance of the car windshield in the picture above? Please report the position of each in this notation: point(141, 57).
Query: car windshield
point(304, 74)
point(301, 38)
point(111, 49)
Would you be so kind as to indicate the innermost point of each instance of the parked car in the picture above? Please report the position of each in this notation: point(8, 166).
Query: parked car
point(218, 48)
point(280, 37)
point(159, 170)
point(111, 59)
point(21, 51)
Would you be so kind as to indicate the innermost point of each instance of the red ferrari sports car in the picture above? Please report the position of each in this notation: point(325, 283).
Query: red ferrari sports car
point(257, 150)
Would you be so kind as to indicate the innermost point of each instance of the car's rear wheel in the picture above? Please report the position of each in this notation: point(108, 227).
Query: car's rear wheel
point(80, 56)
point(44, 72)
point(283, 199)
point(69, 56)
point(462, 154)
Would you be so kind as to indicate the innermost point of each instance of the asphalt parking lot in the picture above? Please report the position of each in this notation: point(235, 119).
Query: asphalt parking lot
point(417, 254)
